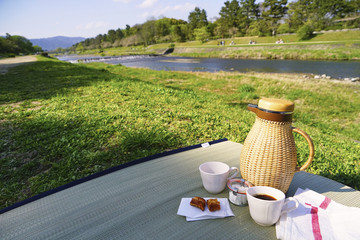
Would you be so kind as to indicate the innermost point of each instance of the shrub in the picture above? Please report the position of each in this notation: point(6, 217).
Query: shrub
point(44, 54)
point(305, 32)
point(259, 28)
point(201, 34)
point(283, 28)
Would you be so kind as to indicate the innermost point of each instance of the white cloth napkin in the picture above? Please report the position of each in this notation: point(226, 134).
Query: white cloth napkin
point(193, 213)
point(318, 217)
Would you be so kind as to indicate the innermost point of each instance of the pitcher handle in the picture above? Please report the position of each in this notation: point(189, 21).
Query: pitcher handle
point(311, 149)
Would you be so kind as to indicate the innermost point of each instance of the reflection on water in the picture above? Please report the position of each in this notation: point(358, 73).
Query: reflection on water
point(335, 69)
point(182, 60)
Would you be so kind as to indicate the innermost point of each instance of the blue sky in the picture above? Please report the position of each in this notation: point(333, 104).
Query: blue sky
point(88, 18)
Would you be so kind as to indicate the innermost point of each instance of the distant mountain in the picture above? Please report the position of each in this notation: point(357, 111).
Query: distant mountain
point(52, 43)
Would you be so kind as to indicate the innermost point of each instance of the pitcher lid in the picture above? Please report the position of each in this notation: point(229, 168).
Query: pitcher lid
point(278, 105)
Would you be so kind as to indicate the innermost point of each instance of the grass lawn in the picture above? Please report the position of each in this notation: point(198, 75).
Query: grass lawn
point(60, 122)
point(325, 46)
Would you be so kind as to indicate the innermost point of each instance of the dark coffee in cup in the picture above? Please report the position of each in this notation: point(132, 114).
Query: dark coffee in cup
point(265, 197)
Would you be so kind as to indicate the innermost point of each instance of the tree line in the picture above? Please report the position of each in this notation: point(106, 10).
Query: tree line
point(237, 18)
point(16, 45)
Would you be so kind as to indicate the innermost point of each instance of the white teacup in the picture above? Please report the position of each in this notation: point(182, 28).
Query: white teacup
point(267, 212)
point(214, 175)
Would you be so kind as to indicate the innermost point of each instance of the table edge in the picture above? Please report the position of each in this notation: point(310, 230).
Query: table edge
point(104, 172)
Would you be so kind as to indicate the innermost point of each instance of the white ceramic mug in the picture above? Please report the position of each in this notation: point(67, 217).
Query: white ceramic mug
point(214, 175)
point(267, 212)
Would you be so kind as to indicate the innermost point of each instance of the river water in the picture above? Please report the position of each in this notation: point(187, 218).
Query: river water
point(335, 69)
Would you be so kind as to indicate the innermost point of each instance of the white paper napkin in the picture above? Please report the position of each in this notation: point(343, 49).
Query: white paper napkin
point(318, 217)
point(194, 214)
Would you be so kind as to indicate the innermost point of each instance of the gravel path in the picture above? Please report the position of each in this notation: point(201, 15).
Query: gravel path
point(7, 63)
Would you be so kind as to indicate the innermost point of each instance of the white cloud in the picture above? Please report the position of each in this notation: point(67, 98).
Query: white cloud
point(145, 15)
point(147, 3)
point(122, 1)
point(187, 7)
point(92, 25)
point(161, 11)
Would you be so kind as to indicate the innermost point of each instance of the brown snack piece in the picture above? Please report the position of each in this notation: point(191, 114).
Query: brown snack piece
point(198, 202)
point(213, 205)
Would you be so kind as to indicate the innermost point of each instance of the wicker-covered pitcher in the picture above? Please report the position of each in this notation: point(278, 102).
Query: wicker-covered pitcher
point(268, 157)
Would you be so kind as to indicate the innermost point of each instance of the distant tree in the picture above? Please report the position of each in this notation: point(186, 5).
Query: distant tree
point(221, 29)
point(21, 44)
point(354, 6)
point(231, 16)
point(201, 34)
point(197, 19)
point(127, 30)
point(298, 14)
point(135, 29)
point(174, 21)
point(87, 42)
point(5, 46)
point(305, 32)
point(60, 50)
point(274, 11)
point(259, 28)
point(162, 27)
point(211, 29)
point(338, 8)
point(37, 49)
point(119, 34)
point(320, 14)
point(250, 10)
point(79, 47)
point(283, 28)
point(16, 44)
point(178, 32)
point(98, 40)
point(147, 32)
point(233, 31)
point(111, 36)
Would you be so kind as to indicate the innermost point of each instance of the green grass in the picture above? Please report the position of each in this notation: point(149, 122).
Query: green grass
point(312, 50)
point(276, 52)
point(348, 36)
point(60, 122)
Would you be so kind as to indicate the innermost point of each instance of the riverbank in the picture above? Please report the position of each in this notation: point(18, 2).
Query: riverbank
point(318, 51)
point(344, 45)
point(60, 121)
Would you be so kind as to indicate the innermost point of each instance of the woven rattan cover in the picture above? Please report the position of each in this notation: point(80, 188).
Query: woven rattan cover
point(269, 154)
point(141, 202)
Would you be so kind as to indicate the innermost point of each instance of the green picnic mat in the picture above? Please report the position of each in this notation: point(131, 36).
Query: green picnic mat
point(141, 202)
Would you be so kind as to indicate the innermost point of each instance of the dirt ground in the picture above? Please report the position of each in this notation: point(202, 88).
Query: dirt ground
point(7, 63)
